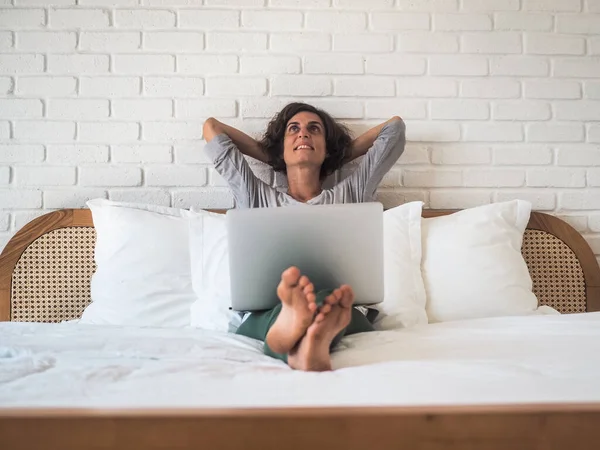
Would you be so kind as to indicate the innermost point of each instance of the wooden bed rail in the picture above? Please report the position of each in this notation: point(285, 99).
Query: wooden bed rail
point(525, 427)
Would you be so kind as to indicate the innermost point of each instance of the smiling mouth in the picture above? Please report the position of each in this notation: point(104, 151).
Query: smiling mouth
point(304, 147)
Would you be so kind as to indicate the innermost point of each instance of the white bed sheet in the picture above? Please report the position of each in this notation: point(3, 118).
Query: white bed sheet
point(534, 359)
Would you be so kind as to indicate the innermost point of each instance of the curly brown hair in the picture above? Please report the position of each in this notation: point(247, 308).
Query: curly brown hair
point(337, 139)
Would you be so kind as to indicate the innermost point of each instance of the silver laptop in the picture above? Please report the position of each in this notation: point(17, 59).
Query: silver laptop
point(331, 244)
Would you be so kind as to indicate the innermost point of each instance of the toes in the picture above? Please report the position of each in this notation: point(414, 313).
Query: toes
point(309, 288)
point(320, 317)
point(311, 298)
point(323, 311)
point(338, 294)
point(326, 309)
point(347, 289)
point(347, 296)
point(303, 282)
point(291, 276)
point(334, 297)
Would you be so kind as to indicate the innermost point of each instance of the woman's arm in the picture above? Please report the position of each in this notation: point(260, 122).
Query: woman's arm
point(380, 155)
point(224, 149)
point(363, 143)
point(247, 145)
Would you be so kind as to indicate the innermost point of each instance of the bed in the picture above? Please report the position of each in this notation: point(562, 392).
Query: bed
point(524, 382)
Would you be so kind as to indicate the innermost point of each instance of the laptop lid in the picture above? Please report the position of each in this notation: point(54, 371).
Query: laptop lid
point(331, 244)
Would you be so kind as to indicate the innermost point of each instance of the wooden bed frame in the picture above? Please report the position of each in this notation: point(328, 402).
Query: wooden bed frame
point(541, 426)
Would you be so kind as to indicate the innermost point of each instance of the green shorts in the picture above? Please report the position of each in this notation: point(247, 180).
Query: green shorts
point(258, 324)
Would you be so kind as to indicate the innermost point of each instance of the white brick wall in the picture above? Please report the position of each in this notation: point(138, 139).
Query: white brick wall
point(74, 18)
point(44, 176)
point(42, 86)
point(111, 175)
point(106, 98)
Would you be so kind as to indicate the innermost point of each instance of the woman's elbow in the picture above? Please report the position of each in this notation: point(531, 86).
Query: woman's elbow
point(210, 129)
point(395, 121)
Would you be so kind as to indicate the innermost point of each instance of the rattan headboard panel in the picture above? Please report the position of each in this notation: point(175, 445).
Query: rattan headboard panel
point(558, 278)
point(51, 281)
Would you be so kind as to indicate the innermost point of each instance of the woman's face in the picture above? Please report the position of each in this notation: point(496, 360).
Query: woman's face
point(304, 140)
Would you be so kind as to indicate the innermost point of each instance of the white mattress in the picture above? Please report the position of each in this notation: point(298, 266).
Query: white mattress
point(487, 361)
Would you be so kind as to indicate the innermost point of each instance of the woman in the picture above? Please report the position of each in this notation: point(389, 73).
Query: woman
point(307, 145)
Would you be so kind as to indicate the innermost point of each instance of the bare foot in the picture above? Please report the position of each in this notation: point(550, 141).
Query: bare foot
point(297, 312)
point(312, 352)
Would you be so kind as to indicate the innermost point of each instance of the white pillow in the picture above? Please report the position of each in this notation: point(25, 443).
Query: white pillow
point(472, 263)
point(143, 275)
point(209, 253)
point(404, 300)
point(404, 296)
